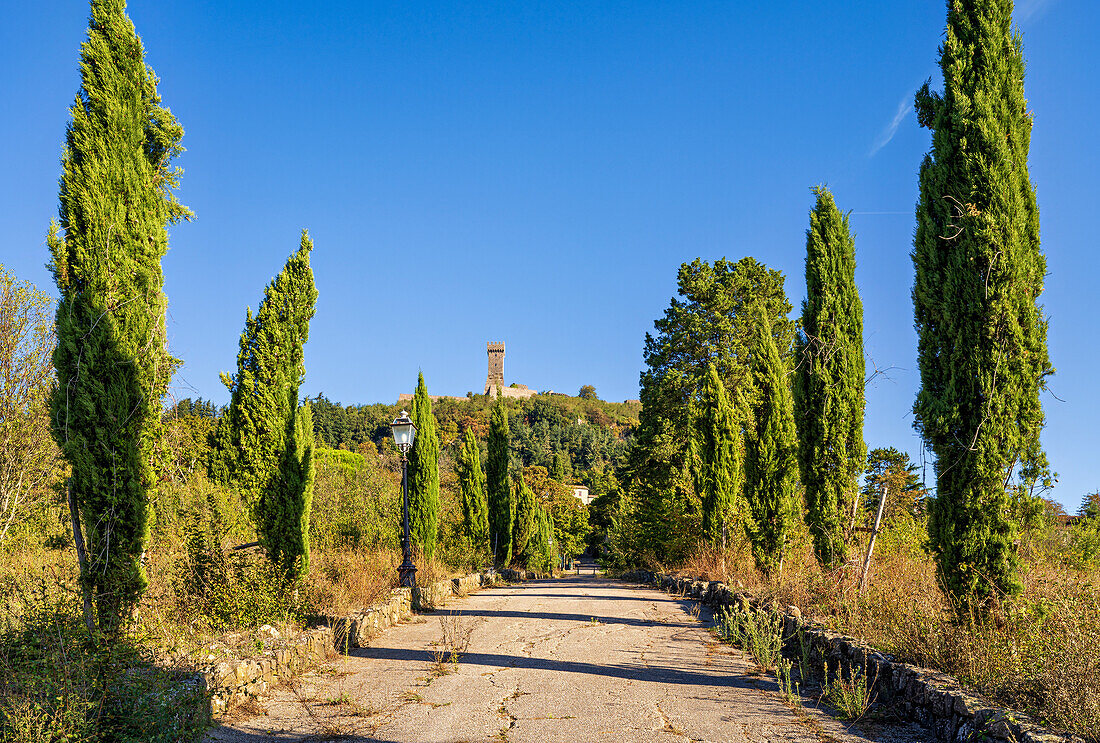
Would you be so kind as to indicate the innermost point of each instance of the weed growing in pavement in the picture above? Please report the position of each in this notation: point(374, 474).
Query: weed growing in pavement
point(453, 644)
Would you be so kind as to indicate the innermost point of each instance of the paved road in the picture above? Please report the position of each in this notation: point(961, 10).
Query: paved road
point(581, 658)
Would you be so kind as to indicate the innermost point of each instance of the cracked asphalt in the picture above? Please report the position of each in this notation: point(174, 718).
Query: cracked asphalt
point(580, 658)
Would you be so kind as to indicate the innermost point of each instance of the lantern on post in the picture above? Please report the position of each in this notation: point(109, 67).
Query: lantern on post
point(404, 432)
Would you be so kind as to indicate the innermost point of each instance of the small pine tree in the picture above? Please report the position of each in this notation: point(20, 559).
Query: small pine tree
point(771, 479)
point(718, 474)
point(424, 474)
point(471, 482)
point(982, 348)
point(501, 507)
point(112, 363)
point(259, 444)
point(828, 382)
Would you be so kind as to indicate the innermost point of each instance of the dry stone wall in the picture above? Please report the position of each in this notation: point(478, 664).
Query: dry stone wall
point(935, 700)
point(233, 681)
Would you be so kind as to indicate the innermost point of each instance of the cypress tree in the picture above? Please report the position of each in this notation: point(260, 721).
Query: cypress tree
point(112, 363)
point(284, 511)
point(501, 508)
point(424, 474)
point(979, 271)
point(828, 382)
point(719, 471)
point(524, 524)
point(471, 482)
point(771, 479)
point(259, 444)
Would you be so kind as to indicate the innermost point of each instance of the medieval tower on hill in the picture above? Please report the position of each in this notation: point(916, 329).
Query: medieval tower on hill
point(495, 380)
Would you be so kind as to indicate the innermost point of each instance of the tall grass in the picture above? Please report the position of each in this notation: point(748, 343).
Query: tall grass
point(1038, 652)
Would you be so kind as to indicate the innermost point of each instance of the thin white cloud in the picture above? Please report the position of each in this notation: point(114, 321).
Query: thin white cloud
point(1029, 9)
point(891, 129)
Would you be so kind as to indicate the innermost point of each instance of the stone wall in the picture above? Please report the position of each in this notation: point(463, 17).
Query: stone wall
point(233, 681)
point(935, 700)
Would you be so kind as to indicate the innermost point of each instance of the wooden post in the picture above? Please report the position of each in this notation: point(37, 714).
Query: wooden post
point(871, 545)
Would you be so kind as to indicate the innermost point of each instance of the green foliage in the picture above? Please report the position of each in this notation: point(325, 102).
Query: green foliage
point(756, 631)
point(523, 524)
point(587, 392)
point(770, 469)
point(718, 475)
point(112, 364)
point(712, 322)
point(475, 506)
point(851, 696)
point(979, 271)
point(570, 519)
point(542, 548)
point(498, 483)
point(264, 443)
point(356, 503)
point(424, 474)
point(284, 524)
point(57, 685)
point(29, 459)
point(906, 493)
point(828, 382)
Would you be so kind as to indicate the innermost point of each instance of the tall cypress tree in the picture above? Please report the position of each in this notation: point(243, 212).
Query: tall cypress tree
point(524, 523)
point(424, 474)
point(979, 271)
point(260, 445)
point(828, 382)
point(718, 476)
point(501, 508)
point(112, 364)
point(471, 482)
point(771, 478)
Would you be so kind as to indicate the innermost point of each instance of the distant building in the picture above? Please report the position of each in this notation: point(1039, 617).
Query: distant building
point(582, 494)
point(494, 380)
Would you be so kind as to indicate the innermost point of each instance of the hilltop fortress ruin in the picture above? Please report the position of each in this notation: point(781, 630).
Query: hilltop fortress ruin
point(494, 380)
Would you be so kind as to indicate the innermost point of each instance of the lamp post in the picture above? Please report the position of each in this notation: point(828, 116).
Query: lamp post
point(403, 434)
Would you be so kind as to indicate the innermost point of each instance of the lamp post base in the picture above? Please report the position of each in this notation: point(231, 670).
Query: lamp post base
point(406, 573)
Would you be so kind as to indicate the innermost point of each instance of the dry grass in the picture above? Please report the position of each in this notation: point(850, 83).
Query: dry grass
point(1038, 652)
point(343, 581)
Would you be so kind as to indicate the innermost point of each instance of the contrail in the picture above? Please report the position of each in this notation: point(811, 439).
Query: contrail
point(891, 129)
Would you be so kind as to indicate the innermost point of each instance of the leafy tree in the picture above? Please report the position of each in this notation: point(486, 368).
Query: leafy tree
point(501, 506)
point(828, 382)
point(979, 271)
point(259, 444)
point(905, 491)
point(587, 392)
point(424, 474)
point(471, 481)
point(570, 518)
point(771, 478)
point(28, 456)
point(113, 367)
point(718, 476)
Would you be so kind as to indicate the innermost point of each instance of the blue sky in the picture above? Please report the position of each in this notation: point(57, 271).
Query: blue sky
point(536, 173)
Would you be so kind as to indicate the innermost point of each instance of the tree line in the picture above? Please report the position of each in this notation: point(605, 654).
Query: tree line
point(750, 419)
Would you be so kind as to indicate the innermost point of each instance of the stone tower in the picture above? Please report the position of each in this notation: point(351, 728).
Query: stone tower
point(495, 379)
